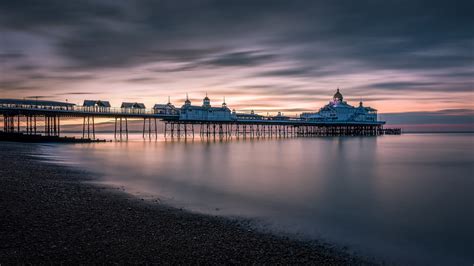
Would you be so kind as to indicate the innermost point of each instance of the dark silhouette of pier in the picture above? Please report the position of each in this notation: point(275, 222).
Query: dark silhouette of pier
point(29, 116)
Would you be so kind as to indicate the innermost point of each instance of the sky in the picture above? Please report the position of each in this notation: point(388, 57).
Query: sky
point(411, 60)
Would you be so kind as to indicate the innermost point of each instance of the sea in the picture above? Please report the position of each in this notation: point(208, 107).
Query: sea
point(405, 199)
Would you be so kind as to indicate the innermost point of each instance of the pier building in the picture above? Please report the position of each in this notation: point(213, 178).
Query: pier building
point(279, 117)
point(133, 108)
point(338, 110)
point(205, 112)
point(245, 116)
point(167, 108)
point(96, 105)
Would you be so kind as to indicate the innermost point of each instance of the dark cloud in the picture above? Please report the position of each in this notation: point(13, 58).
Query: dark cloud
point(11, 56)
point(39, 97)
point(141, 80)
point(245, 58)
point(60, 76)
point(376, 34)
point(218, 60)
point(77, 93)
point(26, 67)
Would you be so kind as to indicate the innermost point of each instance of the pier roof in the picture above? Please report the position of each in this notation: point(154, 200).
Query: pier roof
point(133, 105)
point(34, 102)
point(100, 103)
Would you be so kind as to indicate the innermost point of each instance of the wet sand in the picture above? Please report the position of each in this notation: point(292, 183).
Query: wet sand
point(48, 213)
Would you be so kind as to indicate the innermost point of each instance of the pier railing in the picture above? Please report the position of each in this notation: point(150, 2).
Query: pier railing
point(79, 109)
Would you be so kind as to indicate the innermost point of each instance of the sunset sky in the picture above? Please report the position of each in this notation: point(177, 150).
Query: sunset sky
point(411, 60)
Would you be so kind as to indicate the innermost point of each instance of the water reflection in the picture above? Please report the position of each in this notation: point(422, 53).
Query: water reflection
point(405, 197)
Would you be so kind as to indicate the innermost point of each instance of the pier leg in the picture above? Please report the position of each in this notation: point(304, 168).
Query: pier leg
point(46, 120)
point(149, 128)
point(120, 128)
point(88, 128)
point(126, 128)
point(84, 127)
point(93, 127)
point(27, 125)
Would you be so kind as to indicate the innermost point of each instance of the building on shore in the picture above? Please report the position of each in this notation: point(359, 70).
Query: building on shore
point(339, 110)
point(205, 112)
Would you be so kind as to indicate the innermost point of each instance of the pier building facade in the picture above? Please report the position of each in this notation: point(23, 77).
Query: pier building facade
point(246, 116)
point(133, 108)
point(338, 110)
point(205, 112)
point(96, 105)
point(168, 109)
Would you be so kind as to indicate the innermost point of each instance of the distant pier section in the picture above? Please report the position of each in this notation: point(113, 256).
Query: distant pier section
point(337, 118)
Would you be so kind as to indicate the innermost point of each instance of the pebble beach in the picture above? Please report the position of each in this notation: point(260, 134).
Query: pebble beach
point(51, 214)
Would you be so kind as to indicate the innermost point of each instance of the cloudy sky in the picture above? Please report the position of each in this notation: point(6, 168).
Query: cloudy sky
point(411, 60)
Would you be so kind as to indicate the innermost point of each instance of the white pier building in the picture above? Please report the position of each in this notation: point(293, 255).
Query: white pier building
point(339, 110)
point(205, 112)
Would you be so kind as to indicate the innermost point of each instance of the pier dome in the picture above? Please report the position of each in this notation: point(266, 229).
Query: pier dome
point(338, 96)
point(206, 102)
point(187, 102)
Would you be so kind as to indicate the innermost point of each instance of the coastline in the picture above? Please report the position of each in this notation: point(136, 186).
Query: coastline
point(54, 216)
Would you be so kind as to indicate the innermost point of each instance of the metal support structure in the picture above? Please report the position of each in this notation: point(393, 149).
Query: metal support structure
point(28, 122)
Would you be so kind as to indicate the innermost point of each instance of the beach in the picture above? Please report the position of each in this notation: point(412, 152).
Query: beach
point(51, 213)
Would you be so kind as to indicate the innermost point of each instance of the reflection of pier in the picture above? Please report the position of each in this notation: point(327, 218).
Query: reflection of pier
point(31, 116)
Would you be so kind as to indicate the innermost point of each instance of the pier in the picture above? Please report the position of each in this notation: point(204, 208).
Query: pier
point(38, 117)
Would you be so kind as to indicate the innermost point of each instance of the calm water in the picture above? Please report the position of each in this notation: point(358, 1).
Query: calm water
point(408, 199)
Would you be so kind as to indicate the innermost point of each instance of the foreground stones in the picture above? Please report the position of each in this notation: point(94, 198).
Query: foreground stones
point(49, 214)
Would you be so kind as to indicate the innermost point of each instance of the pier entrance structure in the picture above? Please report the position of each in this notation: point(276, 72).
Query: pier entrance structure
point(335, 119)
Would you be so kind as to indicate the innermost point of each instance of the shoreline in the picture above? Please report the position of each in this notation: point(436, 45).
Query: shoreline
point(54, 215)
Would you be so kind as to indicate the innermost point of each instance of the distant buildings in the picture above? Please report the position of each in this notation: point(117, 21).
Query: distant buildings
point(339, 110)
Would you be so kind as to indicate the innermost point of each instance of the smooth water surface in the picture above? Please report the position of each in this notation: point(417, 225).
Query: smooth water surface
point(406, 199)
